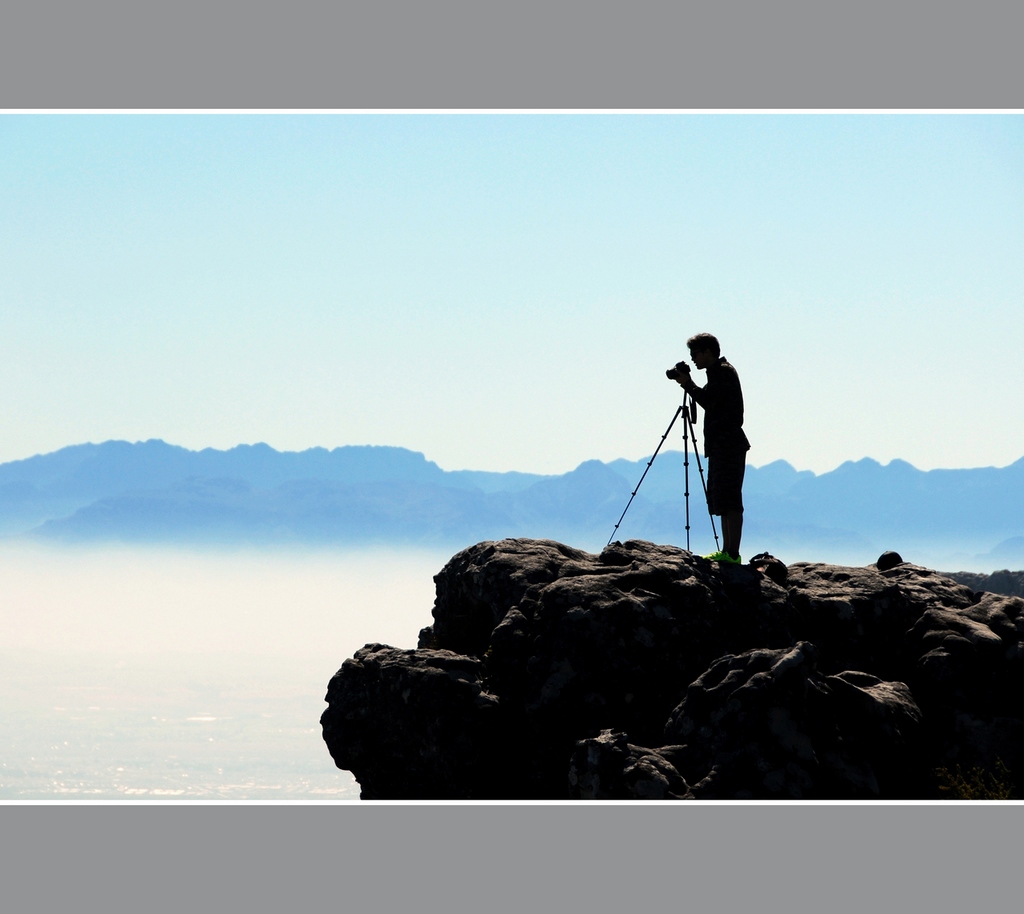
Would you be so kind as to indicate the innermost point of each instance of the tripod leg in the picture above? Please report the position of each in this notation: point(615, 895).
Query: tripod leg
point(686, 469)
point(700, 469)
point(649, 462)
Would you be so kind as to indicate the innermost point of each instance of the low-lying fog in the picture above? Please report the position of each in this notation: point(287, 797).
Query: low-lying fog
point(148, 673)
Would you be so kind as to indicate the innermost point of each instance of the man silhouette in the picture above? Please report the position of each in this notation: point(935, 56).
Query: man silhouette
point(725, 444)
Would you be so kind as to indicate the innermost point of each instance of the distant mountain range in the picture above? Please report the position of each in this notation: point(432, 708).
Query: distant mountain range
point(153, 492)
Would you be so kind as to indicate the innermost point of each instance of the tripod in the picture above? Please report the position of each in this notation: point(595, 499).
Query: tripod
point(688, 410)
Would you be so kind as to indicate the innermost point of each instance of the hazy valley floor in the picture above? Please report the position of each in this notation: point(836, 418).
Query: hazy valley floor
point(170, 675)
point(188, 727)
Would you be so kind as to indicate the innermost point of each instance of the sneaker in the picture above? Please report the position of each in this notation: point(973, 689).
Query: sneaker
point(724, 557)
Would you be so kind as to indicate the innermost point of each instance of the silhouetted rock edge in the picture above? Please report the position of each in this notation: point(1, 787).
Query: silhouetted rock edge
point(646, 672)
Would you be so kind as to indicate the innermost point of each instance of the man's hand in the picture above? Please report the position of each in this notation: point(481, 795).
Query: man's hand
point(680, 373)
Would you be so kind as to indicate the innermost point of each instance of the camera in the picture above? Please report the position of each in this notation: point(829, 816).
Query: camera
point(678, 372)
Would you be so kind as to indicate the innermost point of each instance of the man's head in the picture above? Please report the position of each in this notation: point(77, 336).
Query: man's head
point(704, 349)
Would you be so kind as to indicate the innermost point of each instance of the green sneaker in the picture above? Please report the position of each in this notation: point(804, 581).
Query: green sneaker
point(724, 557)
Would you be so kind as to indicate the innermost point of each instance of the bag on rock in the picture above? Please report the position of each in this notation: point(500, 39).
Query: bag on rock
point(771, 566)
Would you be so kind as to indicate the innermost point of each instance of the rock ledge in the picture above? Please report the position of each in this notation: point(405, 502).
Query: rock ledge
point(647, 672)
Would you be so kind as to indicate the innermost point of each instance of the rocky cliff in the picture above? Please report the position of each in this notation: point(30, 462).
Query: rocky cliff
point(1006, 582)
point(649, 672)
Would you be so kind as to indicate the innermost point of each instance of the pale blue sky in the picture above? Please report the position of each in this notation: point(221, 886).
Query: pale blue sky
point(505, 292)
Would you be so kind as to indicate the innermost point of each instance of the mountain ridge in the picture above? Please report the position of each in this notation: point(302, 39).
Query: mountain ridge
point(157, 492)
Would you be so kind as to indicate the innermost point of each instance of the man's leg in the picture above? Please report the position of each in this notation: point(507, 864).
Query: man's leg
point(732, 531)
point(725, 488)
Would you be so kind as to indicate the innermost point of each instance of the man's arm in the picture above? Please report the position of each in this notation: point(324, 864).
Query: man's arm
point(700, 394)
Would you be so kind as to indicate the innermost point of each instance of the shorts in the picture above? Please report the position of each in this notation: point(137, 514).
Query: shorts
point(725, 480)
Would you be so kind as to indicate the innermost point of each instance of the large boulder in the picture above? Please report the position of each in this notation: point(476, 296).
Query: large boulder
point(858, 617)
point(411, 724)
point(767, 725)
point(969, 678)
point(479, 585)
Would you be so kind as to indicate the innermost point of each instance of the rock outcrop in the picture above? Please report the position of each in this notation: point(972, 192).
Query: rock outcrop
point(647, 672)
point(1009, 583)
